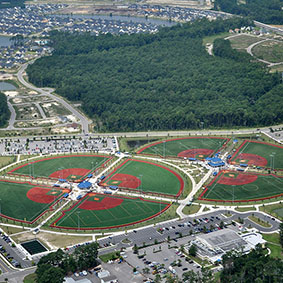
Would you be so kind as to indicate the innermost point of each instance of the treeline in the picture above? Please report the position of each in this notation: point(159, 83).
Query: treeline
point(4, 110)
point(253, 267)
point(12, 3)
point(245, 268)
point(162, 81)
point(266, 11)
point(55, 266)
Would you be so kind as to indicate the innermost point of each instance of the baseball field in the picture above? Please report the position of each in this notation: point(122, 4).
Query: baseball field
point(70, 167)
point(96, 211)
point(146, 177)
point(196, 147)
point(233, 186)
point(26, 202)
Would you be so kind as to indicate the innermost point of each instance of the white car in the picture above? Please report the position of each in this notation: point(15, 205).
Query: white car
point(84, 273)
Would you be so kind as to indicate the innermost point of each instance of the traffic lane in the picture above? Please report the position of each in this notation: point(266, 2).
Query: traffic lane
point(12, 251)
point(4, 267)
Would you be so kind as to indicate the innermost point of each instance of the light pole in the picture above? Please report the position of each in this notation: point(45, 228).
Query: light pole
point(164, 150)
point(271, 157)
point(78, 214)
point(273, 153)
point(141, 183)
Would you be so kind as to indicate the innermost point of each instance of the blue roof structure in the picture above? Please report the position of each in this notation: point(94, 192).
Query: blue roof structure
point(217, 164)
point(244, 165)
point(84, 185)
point(114, 187)
point(89, 175)
point(192, 159)
point(235, 141)
point(63, 180)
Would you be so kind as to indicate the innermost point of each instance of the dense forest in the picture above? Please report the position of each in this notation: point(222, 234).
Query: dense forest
point(266, 11)
point(252, 267)
point(4, 110)
point(162, 81)
point(12, 3)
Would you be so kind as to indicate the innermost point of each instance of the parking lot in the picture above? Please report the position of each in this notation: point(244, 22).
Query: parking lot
point(48, 145)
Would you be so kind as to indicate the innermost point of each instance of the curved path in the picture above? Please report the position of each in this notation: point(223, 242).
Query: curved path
point(83, 120)
point(12, 116)
point(249, 50)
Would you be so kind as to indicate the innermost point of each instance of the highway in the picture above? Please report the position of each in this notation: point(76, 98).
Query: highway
point(48, 92)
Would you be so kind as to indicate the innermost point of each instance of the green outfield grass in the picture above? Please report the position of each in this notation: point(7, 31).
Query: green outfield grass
point(263, 150)
point(45, 167)
point(146, 177)
point(264, 186)
point(175, 146)
point(128, 211)
point(16, 204)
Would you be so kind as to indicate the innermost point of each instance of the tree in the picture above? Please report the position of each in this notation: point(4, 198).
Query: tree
point(281, 234)
point(193, 250)
point(135, 249)
point(157, 278)
point(51, 274)
point(146, 270)
point(191, 277)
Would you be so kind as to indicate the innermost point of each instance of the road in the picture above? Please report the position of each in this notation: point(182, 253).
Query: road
point(12, 117)
point(48, 92)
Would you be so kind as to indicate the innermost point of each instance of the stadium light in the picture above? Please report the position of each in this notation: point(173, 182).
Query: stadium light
point(78, 214)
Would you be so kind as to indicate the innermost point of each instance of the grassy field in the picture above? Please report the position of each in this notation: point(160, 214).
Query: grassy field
point(270, 51)
point(131, 144)
point(259, 221)
point(276, 68)
point(102, 211)
point(191, 209)
point(274, 245)
point(243, 41)
point(6, 160)
point(263, 150)
point(210, 39)
point(16, 204)
point(31, 278)
point(263, 187)
point(46, 167)
point(175, 147)
point(147, 177)
point(54, 241)
point(274, 209)
point(245, 208)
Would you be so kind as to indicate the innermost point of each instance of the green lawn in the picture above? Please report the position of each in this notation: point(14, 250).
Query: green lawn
point(176, 146)
point(274, 209)
point(263, 150)
point(16, 204)
point(274, 245)
point(147, 177)
point(243, 41)
point(245, 208)
point(31, 278)
point(45, 167)
point(128, 211)
point(270, 51)
point(264, 186)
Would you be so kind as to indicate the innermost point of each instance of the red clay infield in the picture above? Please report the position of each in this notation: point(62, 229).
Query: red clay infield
point(65, 173)
point(195, 152)
point(241, 179)
point(252, 159)
point(38, 194)
point(106, 203)
point(128, 181)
